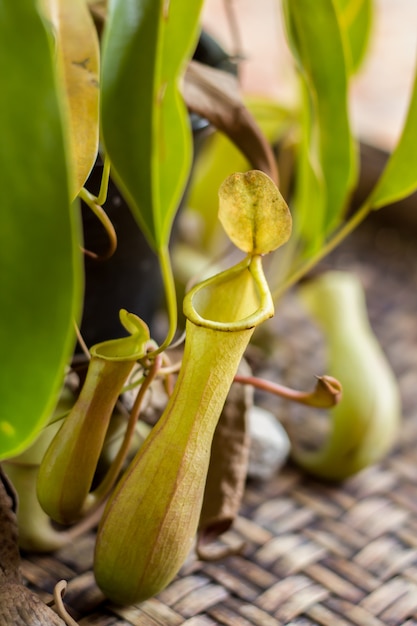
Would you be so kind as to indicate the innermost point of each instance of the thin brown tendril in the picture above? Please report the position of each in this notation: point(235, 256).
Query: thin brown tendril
point(81, 341)
point(59, 592)
point(166, 372)
point(327, 393)
point(172, 368)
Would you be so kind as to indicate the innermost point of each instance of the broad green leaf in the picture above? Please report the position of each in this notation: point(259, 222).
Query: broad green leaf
point(39, 264)
point(317, 43)
point(355, 18)
point(309, 192)
point(145, 123)
point(77, 51)
point(399, 178)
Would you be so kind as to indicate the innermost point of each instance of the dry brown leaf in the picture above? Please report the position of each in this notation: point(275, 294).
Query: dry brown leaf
point(214, 94)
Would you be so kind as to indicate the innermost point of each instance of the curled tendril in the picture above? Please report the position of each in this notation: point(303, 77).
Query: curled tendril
point(99, 212)
point(95, 203)
point(59, 592)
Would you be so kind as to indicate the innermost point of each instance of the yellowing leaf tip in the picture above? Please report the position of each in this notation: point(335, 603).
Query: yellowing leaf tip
point(253, 212)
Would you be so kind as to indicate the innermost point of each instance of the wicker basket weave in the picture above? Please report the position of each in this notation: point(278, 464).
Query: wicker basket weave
point(313, 553)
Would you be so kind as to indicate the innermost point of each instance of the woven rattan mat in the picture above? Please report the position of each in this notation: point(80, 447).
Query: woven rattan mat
point(314, 553)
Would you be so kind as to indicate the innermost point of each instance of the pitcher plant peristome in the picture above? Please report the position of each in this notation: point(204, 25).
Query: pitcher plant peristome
point(151, 519)
point(67, 469)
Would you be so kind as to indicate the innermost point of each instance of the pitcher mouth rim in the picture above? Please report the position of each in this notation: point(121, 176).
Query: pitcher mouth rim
point(264, 311)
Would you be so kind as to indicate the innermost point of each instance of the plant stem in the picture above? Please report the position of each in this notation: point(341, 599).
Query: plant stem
point(170, 297)
point(93, 204)
point(326, 394)
point(104, 185)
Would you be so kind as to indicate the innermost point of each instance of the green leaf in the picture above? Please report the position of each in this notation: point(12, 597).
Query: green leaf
point(317, 44)
point(78, 53)
point(145, 124)
point(355, 18)
point(399, 178)
point(309, 192)
point(39, 266)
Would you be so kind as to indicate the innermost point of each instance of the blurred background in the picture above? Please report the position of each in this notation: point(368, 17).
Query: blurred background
point(380, 92)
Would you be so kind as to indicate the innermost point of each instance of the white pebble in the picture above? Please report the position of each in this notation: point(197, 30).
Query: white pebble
point(270, 445)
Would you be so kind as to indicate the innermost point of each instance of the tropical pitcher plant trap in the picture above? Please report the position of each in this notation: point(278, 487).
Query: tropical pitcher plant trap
point(116, 79)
